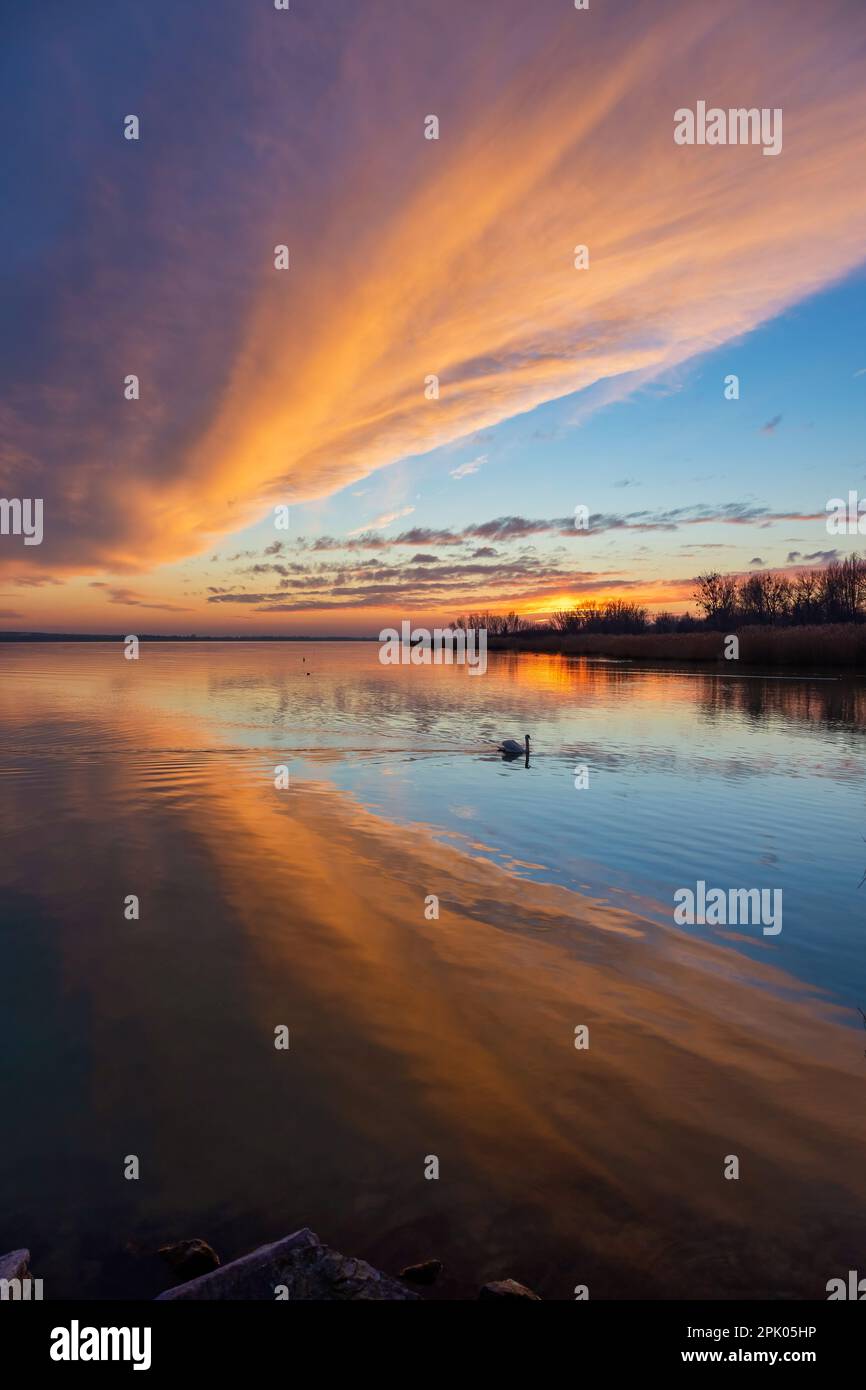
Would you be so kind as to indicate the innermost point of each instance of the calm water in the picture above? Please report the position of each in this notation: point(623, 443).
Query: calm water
point(411, 1037)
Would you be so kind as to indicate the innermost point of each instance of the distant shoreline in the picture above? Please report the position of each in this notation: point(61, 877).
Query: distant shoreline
point(160, 637)
point(836, 644)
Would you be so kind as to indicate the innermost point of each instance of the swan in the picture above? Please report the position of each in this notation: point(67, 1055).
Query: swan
point(512, 749)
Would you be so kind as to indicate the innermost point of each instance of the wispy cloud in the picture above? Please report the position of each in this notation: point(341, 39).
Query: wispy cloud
point(380, 522)
point(513, 528)
point(408, 258)
point(817, 557)
point(129, 598)
point(466, 469)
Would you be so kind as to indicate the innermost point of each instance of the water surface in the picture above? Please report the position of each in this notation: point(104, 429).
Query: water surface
point(413, 1037)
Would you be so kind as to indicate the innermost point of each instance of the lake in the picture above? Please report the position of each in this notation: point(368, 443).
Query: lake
point(451, 1035)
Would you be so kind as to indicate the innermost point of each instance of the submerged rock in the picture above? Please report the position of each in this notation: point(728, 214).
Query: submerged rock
point(425, 1273)
point(190, 1258)
point(508, 1288)
point(15, 1265)
point(297, 1268)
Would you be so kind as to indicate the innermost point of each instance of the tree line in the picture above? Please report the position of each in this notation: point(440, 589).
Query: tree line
point(835, 593)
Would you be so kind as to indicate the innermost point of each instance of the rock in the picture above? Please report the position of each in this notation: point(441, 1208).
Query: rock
point(15, 1265)
point(508, 1288)
point(190, 1258)
point(302, 1266)
point(425, 1273)
point(17, 1281)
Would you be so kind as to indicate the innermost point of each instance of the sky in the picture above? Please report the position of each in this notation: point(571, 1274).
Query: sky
point(302, 395)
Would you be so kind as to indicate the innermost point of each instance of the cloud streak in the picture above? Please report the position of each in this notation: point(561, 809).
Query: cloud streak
point(513, 528)
point(465, 470)
point(386, 519)
point(329, 574)
point(409, 258)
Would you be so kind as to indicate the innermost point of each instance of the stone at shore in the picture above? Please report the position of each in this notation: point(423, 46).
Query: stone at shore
point(299, 1268)
point(15, 1265)
point(507, 1288)
point(427, 1272)
point(190, 1258)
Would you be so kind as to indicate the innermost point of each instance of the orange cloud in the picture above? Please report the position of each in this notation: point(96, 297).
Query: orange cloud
point(454, 258)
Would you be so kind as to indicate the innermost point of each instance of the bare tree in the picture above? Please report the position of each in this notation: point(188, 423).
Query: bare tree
point(806, 596)
point(716, 595)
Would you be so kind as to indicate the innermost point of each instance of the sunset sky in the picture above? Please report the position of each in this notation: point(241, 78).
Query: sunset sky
point(412, 257)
